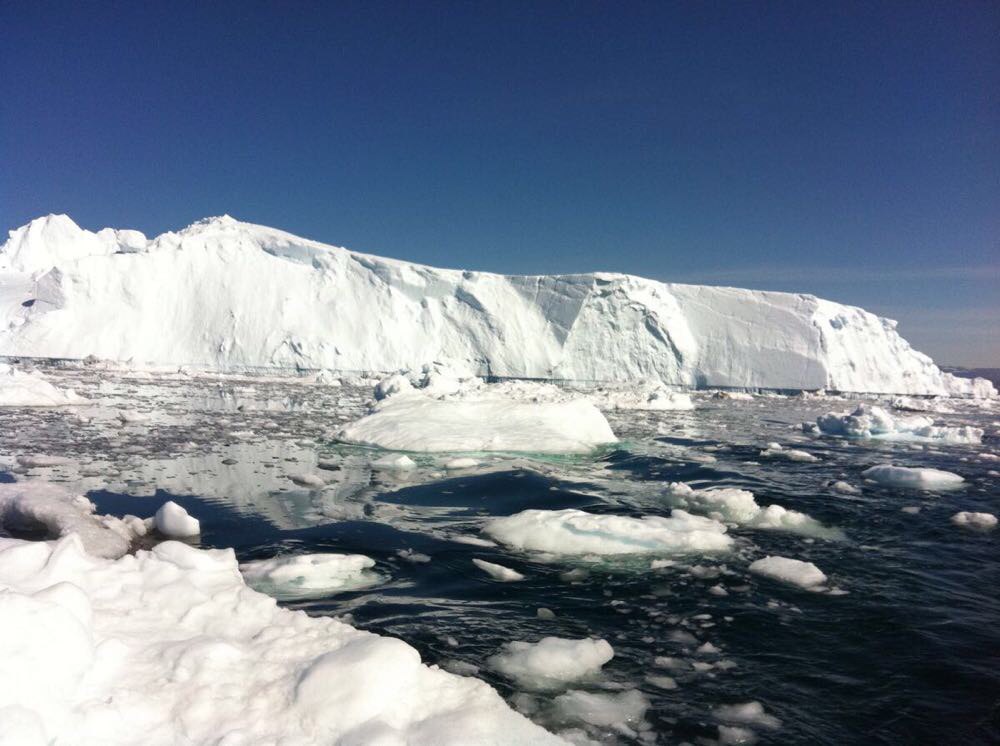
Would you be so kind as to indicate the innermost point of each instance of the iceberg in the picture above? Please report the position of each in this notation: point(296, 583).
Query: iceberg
point(224, 294)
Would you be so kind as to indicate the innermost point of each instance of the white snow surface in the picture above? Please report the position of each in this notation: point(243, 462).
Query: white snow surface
point(222, 294)
point(19, 388)
point(170, 646)
point(575, 532)
point(552, 661)
point(919, 478)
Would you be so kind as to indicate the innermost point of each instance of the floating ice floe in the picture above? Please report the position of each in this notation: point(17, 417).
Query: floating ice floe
point(33, 506)
point(552, 661)
point(479, 418)
point(310, 575)
point(776, 450)
point(621, 711)
point(747, 713)
point(918, 478)
point(498, 572)
point(171, 642)
point(574, 532)
point(870, 421)
point(975, 521)
point(173, 521)
point(731, 505)
point(29, 389)
point(792, 571)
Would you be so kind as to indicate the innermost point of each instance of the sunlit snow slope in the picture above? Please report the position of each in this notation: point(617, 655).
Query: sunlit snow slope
point(222, 293)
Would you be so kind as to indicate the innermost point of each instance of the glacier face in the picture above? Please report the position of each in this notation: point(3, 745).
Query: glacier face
point(227, 294)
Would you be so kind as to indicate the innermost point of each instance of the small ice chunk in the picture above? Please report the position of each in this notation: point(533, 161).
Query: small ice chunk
point(913, 478)
point(662, 682)
point(845, 488)
point(792, 571)
point(747, 713)
point(734, 735)
point(546, 614)
point(552, 661)
point(975, 521)
point(461, 463)
point(602, 710)
point(498, 572)
point(400, 462)
point(412, 556)
point(309, 575)
point(41, 460)
point(173, 521)
point(307, 480)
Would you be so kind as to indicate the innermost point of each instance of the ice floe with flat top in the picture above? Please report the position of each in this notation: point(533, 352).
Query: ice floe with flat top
point(448, 414)
point(975, 521)
point(792, 571)
point(732, 505)
point(309, 575)
point(33, 506)
point(575, 532)
point(552, 661)
point(869, 421)
point(171, 642)
point(917, 478)
point(20, 388)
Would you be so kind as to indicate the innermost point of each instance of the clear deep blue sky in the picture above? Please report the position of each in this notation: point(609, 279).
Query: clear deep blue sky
point(849, 150)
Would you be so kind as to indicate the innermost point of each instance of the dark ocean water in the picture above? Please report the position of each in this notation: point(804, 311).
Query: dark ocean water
point(909, 654)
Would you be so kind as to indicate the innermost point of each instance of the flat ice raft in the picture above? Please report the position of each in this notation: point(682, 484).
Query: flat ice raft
point(418, 423)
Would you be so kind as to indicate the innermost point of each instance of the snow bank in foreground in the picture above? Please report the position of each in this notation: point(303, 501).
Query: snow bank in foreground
point(169, 646)
point(977, 521)
point(309, 575)
point(870, 421)
point(732, 505)
point(29, 389)
point(792, 571)
point(416, 422)
point(552, 661)
point(573, 531)
point(913, 478)
point(223, 293)
point(34, 506)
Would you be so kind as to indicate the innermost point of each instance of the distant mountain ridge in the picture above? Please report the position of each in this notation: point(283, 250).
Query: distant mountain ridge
point(226, 294)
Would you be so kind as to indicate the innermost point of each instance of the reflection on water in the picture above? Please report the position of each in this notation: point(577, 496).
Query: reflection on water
point(907, 655)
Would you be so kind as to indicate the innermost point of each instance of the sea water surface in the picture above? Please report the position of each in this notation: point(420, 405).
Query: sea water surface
point(907, 650)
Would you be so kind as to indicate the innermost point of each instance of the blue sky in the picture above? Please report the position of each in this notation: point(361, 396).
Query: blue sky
point(851, 150)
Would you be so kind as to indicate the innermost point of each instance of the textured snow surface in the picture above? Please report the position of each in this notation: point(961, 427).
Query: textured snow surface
point(573, 531)
point(552, 661)
point(169, 646)
point(29, 389)
point(223, 293)
point(922, 478)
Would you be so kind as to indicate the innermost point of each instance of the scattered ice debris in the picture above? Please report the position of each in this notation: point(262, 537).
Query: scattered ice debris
point(309, 575)
point(32, 506)
point(620, 711)
point(792, 571)
point(412, 556)
point(421, 423)
point(922, 478)
point(871, 421)
point(732, 396)
point(654, 397)
point(975, 521)
point(776, 450)
point(498, 572)
point(307, 480)
point(731, 505)
point(552, 661)
point(461, 463)
point(401, 462)
point(173, 521)
point(747, 713)
point(573, 531)
point(30, 389)
point(171, 642)
point(40, 460)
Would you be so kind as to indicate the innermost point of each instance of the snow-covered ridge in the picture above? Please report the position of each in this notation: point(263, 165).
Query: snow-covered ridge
point(224, 294)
